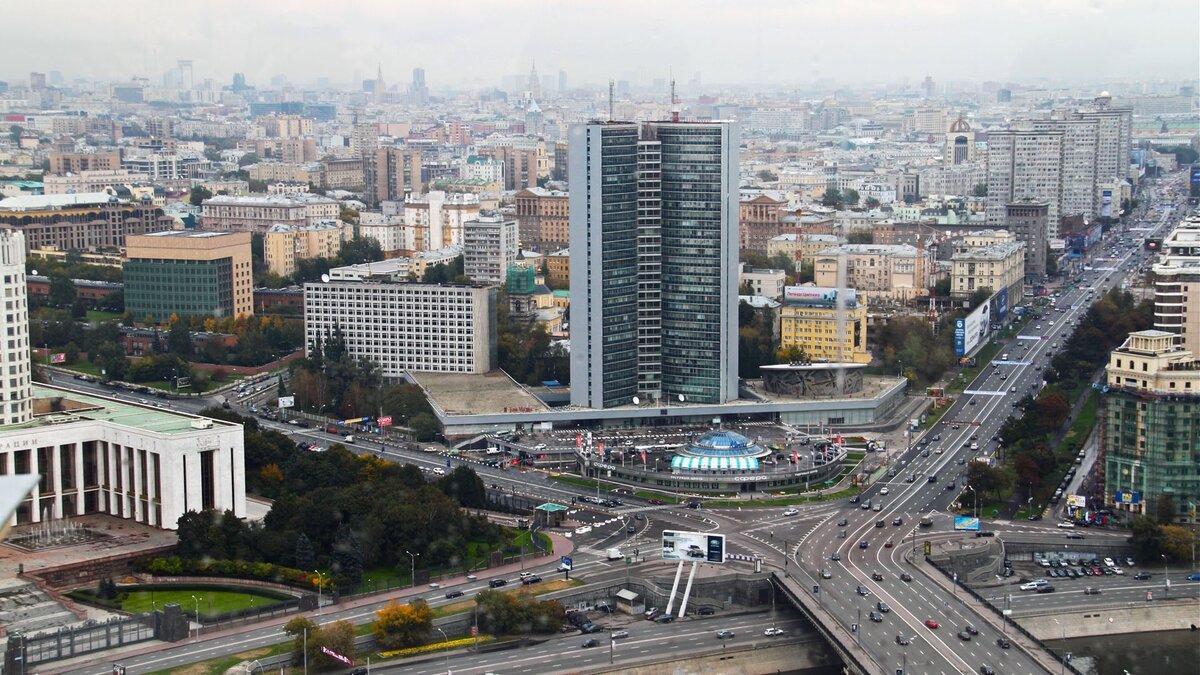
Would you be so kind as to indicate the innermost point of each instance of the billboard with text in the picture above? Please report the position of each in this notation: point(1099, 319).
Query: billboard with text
point(818, 295)
point(970, 332)
point(695, 546)
point(966, 523)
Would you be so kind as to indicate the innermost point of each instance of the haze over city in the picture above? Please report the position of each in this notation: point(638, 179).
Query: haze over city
point(473, 43)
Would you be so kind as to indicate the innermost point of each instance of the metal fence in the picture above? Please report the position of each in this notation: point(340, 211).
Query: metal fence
point(88, 637)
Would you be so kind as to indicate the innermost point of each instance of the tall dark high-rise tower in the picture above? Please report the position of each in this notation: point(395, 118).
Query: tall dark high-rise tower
point(653, 240)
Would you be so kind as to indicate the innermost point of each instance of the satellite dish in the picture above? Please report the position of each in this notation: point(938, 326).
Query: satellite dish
point(33, 273)
point(681, 399)
point(325, 278)
point(637, 401)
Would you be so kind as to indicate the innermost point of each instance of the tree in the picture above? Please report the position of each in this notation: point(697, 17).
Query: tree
point(347, 556)
point(980, 190)
point(1051, 262)
point(425, 426)
point(1177, 542)
point(360, 250)
point(872, 203)
point(766, 175)
point(988, 479)
point(110, 356)
point(62, 290)
point(248, 159)
point(198, 195)
point(1147, 537)
point(304, 632)
point(851, 196)
point(403, 625)
point(337, 637)
point(941, 287)
point(832, 197)
point(464, 486)
point(861, 237)
point(1165, 509)
point(179, 340)
point(306, 558)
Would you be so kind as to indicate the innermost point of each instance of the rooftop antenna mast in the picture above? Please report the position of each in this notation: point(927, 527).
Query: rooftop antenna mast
point(611, 86)
point(674, 102)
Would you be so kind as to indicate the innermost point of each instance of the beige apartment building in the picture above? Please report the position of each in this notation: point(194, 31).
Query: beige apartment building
point(759, 222)
point(881, 274)
point(188, 273)
point(1177, 282)
point(92, 180)
point(802, 248)
point(544, 217)
point(273, 172)
point(283, 245)
point(994, 266)
point(825, 333)
point(436, 220)
point(258, 214)
point(76, 162)
point(341, 174)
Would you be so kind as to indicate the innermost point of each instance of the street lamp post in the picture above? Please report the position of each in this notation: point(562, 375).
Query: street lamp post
point(1062, 658)
point(320, 583)
point(975, 497)
point(412, 559)
point(445, 639)
point(1166, 581)
point(197, 601)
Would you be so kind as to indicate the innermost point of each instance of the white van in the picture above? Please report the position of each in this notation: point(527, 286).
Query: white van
point(348, 439)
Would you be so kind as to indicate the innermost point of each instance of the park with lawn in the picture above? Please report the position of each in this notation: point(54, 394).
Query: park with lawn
point(210, 600)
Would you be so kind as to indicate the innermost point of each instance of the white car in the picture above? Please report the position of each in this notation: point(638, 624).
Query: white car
point(883, 491)
point(1066, 524)
point(1108, 562)
point(1034, 585)
point(792, 512)
point(773, 631)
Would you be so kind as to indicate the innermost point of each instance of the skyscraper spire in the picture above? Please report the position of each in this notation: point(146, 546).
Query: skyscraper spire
point(380, 89)
point(535, 83)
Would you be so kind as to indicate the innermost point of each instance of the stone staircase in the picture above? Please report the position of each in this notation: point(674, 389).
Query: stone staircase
point(27, 609)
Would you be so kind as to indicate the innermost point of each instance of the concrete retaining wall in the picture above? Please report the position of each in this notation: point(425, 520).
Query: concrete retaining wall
point(1145, 618)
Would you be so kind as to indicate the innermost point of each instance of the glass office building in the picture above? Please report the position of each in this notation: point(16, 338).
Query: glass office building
point(654, 211)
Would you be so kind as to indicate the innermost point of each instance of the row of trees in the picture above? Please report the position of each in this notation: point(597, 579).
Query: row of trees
point(525, 351)
point(907, 345)
point(344, 512)
point(1105, 325)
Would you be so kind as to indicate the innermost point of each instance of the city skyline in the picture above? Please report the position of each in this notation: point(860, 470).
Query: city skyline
point(1075, 40)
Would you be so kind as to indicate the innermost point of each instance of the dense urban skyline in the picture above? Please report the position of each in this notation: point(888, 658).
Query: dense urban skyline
point(782, 43)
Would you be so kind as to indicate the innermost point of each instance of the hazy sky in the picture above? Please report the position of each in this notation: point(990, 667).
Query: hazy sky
point(478, 41)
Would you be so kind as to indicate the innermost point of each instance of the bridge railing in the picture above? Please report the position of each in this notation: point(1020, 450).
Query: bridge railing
point(858, 659)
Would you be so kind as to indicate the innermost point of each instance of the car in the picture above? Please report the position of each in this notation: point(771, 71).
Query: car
point(497, 583)
point(825, 573)
point(1033, 585)
point(855, 499)
point(791, 512)
point(454, 594)
point(863, 544)
point(530, 579)
point(1108, 562)
point(930, 623)
point(724, 634)
point(842, 522)
point(906, 577)
point(876, 617)
point(971, 629)
point(706, 611)
point(618, 634)
point(1091, 590)
point(1003, 643)
point(1129, 562)
point(654, 501)
point(592, 642)
point(883, 607)
point(652, 613)
point(1066, 524)
point(879, 523)
point(866, 506)
point(665, 618)
point(1045, 589)
point(836, 556)
point(1142, 576)
point(964, 636)
point(986, 670)
point(903, 641)
point(1194, 576)
point(883, 490)
point(1035, 516)
point(863, 591)
point(773, 631)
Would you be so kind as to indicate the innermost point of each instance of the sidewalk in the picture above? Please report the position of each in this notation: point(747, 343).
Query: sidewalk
point(560, 546)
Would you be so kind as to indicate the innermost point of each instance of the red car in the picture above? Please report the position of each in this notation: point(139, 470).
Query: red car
point(930, 623)
point(656, 502)
point(888, 545)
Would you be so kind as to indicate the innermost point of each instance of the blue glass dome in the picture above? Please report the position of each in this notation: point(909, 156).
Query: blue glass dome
point(723, 443)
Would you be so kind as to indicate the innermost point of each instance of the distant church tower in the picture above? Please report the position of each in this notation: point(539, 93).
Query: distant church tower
point(380, 88)
point(960, 144)
point(535, 83)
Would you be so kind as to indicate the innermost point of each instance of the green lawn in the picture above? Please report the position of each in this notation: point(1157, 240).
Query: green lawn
point(212, 600)
point(97, 315)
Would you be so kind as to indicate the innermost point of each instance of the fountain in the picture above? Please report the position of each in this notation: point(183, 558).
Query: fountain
point(54, 533)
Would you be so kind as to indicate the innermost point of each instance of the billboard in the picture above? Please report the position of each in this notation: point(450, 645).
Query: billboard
point(287, 401)
point(1078, 501)
point(1125, 497)
point(1194, 183)
point(970, 332)
point(999, 303)
point(694, 546)
point(819, 295)
point(1106, 203)
point(966, 523)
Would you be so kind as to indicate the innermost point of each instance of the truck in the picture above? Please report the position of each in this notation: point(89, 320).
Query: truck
point(613, 554)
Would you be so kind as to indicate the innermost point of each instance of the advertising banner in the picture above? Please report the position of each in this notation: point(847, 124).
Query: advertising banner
point(695, 546)
point(1078, 501)
point(385, 421)
point(966, 523)
point(1128, 498)
point(971, 331)
point(287, 401)
point(818, 295)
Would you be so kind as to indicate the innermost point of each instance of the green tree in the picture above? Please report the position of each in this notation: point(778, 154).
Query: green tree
point(464, 486)
point(988, 479)
point(871, 203)
point(767, 175)
point(198, 195)
point(306, 557)
point(832, 197)
point(425, 426)
point(179, 340)
point(941, 287)
point(851, 196)
point(62, 290)
point(360, 250)
point(304, 632)
point(248, 159)
point(1051, 262)
point(980, 190)
point(110, 357)
point(862, 236)
point(1165, 509)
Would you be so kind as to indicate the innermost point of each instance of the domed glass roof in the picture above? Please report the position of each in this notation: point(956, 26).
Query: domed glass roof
point(723, 443)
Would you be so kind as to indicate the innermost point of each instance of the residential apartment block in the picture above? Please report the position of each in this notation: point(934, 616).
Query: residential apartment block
point(406, 326)
point(544, 217)
point(258, 214)
point(490, 245)
point(81, 222)
point(812, 321)
point(283, 245)
point(880, 273)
